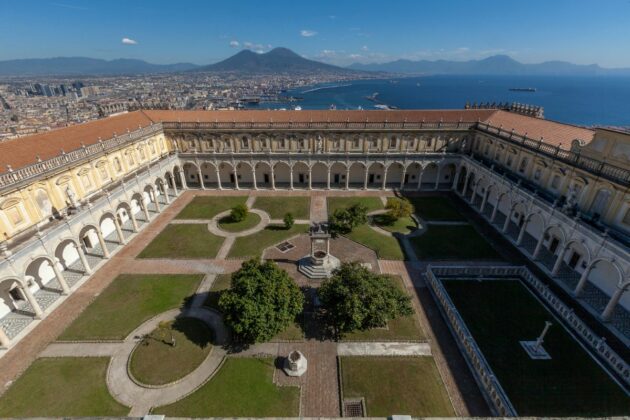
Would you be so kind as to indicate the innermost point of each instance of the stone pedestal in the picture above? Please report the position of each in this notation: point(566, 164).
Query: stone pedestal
point(295, 364)
point(535, 350)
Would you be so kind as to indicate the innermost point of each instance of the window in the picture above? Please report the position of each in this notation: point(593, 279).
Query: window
point(356, 143)
point(430, 142)
point(283, 143)
point(117, 165)
point(393, 143)
point(600, 202)
point(303, 144)
point(374, 143)
point(245, 143)
point(102, 170)
point(85, 180)
point(130, 159)
point(509, 161)
point(523, 165)
point(15, 215)
point(626, 218)
point(152, 148)
point(141, 151)
point(537, 174)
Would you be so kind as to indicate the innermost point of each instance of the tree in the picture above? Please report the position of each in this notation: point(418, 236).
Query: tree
point(262, 301)
point(343, 221)
point(399, 207)
point(239, 213)
point(357, 299)
point(288, 221)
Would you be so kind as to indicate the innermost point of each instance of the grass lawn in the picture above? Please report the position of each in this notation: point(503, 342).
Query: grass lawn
point(243, 387)
point(386, 247)
point(127, 302)
point(277, 207)
point(156, 362)
point(227, 224)
point(221, 283)
point(500, 313)
point(410, 385)
point(334, 203)
point(186, 241)
point(293, 332)
point(206, 207)
point(460, 242)
point(402, 225)
point(405, 328)
point(62, 387)
point(253, 245)
point(436, 208)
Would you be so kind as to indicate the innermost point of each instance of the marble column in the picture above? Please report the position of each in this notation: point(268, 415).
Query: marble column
point(310, 178)
point(402, 178)
point(218, 173)
point(365, 181)
point(200, 176)
point(4, 339)
point(559, 260)
point(539, 246)
point(119, 232)
point(384, 185)
point(347, 179)
point(328, 179)
point(102, 242)
point(145, 210)
point(59, 275)
point(254, 177)
point(236, 179)
point(614, 300)
point(33, 302)
point(579, 288)
point(84, 261)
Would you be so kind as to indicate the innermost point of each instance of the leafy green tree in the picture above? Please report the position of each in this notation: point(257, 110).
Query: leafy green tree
point(239, 213)
point(343, 221)
point(262, 301)
point(399, 207)
point(357, 299)
point(288, 221)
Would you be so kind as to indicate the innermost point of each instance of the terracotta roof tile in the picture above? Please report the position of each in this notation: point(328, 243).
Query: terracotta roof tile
point(554, 133)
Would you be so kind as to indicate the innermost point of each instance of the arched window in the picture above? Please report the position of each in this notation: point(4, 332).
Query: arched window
point(117, 165)
point(141, 151)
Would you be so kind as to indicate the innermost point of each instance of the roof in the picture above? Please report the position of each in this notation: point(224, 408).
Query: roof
point(472, 115)
point(552, 132)
point(23, 151)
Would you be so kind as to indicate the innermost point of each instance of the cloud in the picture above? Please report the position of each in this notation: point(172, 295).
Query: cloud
point(364, 48)
point(234, 44)
point(307, 33)
point(69, 6)
point(258, 48)
point(129, 41)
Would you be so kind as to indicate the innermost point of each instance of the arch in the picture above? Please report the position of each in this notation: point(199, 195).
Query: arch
point(209, 175)
point(463, 173)
point(535, 225)
point(357, 175)
point(177, 173)
point(11, 295)
point(191, 174)
point(89, 240)
point(227, 176)
point(282, 174)
point(394, 174)
point(244, 175)
point(429, 176)
point(300, 175)
point(67, 254)
point(108, 227)
point(40, 269)
point(607, 276)
point(319, 175)
point(263, 175)
point(446, 175)
point(554, 238)
point(376, 172)
point(338, 172)
point(577, 253)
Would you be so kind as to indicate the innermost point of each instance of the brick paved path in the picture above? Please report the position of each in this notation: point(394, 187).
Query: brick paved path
point(319, 209)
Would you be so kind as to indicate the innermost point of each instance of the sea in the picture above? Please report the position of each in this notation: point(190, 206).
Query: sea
point(585, 101)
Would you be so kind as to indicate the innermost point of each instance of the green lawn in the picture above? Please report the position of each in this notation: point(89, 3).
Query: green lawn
point(386, 247)
point(409, 385)
point(293, 332)
point(402, 225)
point(372, 203)
point(221, 283)
point(227, 224)
point(206, 207)
point(436, 209)
point(500, 313)
point(405, 328)
point(277, 207)
point(62, 387)
point(127, 302)
point(243, 387)
point(185, 241)
point(156, 362)
point(459, 242)
point(254, 245)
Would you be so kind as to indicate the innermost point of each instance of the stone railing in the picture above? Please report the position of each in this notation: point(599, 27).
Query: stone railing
point(84, 153)
point(596, 344)
point(329, 125)
point(594, 166)
point(491, 388)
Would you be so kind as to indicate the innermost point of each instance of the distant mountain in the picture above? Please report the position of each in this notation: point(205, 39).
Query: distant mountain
point(278, 60)
point(495, 65)
point(84, 66)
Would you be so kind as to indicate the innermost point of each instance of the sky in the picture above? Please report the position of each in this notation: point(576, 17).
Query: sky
point(338, 32)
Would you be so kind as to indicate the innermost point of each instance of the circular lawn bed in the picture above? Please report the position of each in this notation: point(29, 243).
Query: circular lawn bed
point(227, 224)
point(404, 225)
point(155, 361)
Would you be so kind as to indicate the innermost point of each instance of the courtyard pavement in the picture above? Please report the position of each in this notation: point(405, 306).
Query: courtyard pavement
point(319, 387)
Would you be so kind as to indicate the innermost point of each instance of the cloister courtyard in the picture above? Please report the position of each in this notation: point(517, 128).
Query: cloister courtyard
point(106, 351)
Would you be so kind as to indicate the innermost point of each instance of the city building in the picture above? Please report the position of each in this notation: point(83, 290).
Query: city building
point(72, 197)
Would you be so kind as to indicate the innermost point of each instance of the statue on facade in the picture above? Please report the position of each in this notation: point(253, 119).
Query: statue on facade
point(72, 198)
point(571, 201)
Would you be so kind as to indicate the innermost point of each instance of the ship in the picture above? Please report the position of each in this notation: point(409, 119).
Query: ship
point(529, 89)
point(373, 97)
